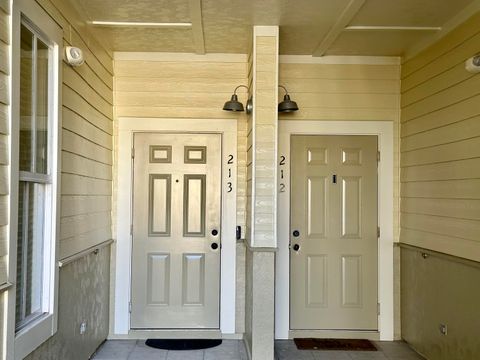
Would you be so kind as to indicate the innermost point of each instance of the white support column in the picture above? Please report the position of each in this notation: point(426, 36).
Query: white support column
point(262, 233)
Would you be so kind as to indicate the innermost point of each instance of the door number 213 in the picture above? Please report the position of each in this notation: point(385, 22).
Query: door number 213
point(229, 169)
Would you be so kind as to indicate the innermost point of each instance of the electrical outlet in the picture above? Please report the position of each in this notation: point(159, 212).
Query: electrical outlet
point(83, 328)
point(443, 329)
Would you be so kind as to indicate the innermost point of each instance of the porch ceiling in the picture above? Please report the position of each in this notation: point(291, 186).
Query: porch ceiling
point(318, 27)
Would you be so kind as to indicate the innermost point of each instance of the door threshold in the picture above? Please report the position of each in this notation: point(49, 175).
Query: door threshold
point(142, 334)
point(335, 334)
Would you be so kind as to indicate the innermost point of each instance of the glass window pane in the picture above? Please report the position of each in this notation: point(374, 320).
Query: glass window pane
point(42, 108)
point(22, 201)
point(30, 251)
point(26, 107)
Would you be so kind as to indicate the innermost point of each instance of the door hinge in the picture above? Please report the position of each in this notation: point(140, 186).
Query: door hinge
point(378, 231)
point(133, 153)
point(378, 308)
point(378, 156)
point(130, 307)
point(131, 229)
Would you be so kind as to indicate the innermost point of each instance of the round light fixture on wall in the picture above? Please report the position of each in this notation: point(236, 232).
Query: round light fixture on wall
point(74, 56)
point(473, 64)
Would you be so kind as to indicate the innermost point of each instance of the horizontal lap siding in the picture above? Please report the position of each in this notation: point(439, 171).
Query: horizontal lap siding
point(4, 138)
point(440, 147)
point(342, 92)
point(87, 116)
point(4, 152)
point(183, 89)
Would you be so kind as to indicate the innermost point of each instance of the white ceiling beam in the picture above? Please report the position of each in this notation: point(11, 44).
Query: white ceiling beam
point(392, 28)
point(195, 7)
point(345, 18)
point(448, 27)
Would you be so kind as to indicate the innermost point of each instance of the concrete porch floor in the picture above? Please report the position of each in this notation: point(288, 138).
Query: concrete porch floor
point(235, 350)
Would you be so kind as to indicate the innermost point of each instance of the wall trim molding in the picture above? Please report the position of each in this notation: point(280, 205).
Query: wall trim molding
point(384, 131)
point(438, 254)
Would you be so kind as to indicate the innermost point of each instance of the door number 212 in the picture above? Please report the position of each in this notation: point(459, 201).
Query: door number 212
point(281, 187)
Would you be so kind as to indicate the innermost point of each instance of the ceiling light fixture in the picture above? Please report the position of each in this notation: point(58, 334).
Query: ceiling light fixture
point(392, 28)
point(287, 105)
point(234, 105)
point(141, 24)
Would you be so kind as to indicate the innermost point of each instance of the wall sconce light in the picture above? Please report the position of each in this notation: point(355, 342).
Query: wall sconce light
point(287, 105)
point(234, 105)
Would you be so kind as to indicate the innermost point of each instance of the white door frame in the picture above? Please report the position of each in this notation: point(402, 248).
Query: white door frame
point(384, 131)
point(122, 251)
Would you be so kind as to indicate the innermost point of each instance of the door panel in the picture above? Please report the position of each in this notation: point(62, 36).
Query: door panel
point(316, 207)
point(317, 281)
point(334, 210)
point(159, 212)
point(176, 205)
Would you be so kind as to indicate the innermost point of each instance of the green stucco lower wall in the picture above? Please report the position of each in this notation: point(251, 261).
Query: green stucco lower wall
point(438, 290)
point(83, 296)
point(260, 304)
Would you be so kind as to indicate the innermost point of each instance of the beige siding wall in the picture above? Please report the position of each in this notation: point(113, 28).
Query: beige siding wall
point(4, 135)
point(440, 142)
point(86, 136)
point(440, 207)
point(4, 156)
point(265, 140)
point(342, 91)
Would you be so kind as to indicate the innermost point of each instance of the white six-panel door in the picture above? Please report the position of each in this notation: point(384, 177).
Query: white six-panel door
point(333, 237)
point(176, 231)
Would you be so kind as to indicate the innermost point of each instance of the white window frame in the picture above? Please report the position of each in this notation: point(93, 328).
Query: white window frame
point(22, 343)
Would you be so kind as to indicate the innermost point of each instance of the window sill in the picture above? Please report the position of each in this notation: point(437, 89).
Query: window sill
point(5, 286)
point(33, 335)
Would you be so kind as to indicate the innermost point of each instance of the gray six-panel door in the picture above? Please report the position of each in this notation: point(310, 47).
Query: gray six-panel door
point(333, 257)
point(176, 231)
